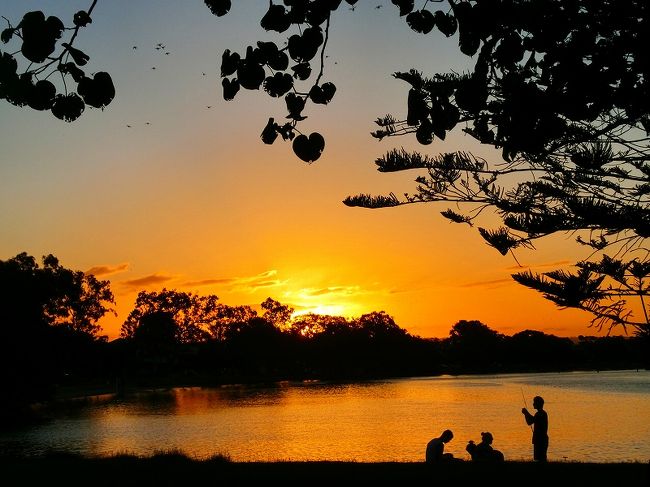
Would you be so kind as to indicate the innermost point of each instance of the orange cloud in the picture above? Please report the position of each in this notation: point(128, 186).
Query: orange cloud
point(338, 290)
point(210, 282)
point(493, 283)
point(559, 263)
point(146, 281)
point(250, 283)
point(105, 270)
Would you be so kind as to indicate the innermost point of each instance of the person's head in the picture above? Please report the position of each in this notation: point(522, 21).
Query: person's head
point(538, 402)
point(487, 437)
point(446, 436)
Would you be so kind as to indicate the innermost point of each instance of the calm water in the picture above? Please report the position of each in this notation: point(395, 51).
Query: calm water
point(603, 417)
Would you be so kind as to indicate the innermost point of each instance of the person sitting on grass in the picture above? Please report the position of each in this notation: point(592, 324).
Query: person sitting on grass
point(483, 451)
point(435, 452)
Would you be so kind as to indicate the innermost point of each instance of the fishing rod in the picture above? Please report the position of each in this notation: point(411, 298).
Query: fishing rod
point(523, 396)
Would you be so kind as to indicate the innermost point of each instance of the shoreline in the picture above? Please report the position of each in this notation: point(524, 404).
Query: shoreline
point(173, 468)
point(76, 392)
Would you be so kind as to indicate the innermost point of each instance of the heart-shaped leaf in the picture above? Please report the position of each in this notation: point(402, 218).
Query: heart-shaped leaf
point(266, 51)
point(278, 62)
point(301, 71)
point(97, 92)
point(230, 88)
point(322, 94)
point(82, 19)
point(424, 133)
point(278, 84)
point(229, 63)
point(509, 51)
point(42, 95)
point(405, 6)
point(68, 107)
point(250, 75)
point(295, 106)
point(17, 90)
point(303, 48)
point(276, 19)
point(317, 12)
point(309, 149)
point(417, 107)
point(7, 34)
point(421, 21)
point(39, 35)
point(270, 132)
point(446, 23)
point(468, 42)
point(8, 66)
point(218, 7)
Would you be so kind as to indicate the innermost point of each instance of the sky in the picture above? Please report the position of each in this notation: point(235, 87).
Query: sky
point(171, 186)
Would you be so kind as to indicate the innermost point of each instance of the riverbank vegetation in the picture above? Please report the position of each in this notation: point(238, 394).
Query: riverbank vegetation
point(176, 469)
point(52, 345)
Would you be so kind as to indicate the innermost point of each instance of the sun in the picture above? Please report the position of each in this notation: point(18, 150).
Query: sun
point(323, 309)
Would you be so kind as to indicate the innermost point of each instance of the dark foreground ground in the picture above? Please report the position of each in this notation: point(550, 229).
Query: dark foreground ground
point(178, 470)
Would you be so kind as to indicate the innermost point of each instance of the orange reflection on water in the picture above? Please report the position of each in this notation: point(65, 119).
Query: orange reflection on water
point(592, 417)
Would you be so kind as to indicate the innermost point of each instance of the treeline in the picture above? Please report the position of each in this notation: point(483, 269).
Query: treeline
point(52, 341)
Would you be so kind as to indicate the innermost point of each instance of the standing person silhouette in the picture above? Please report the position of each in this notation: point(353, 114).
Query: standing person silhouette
point(540, 428)
point(436, 447)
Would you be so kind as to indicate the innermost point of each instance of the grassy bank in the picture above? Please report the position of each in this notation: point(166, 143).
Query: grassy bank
point(179, 470)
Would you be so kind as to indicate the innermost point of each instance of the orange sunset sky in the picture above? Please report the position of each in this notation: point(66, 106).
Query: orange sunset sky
point(188, 197)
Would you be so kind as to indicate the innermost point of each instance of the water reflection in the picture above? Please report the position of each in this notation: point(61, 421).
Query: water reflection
point(593, 417)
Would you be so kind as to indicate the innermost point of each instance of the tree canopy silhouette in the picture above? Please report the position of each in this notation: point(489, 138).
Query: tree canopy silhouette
point(49, 319)
point(35, 297)
point(25, 80)
point(568, 106)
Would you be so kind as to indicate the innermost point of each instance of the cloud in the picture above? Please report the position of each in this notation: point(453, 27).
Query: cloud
point(337, 290)
point(508, 280)
point(146, 281)
point(210, 282)
point(250, 283)
point(559, 263)
point(106, 270)
point(492, 283)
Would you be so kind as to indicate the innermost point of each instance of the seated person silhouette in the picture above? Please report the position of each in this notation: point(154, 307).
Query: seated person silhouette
point(483, 451)
point(435, 452)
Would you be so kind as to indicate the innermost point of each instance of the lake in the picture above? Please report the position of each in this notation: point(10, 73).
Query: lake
point(593, 416)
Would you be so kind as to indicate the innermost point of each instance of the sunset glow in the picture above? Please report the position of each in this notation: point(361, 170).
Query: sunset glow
point(171, 186)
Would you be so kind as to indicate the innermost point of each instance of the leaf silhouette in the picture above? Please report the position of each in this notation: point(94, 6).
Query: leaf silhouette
point(421, 21)
point(405, 6)
point(98, 91)
point(278, 84)
point(276, 19)
point(42, 95)
point(218, 7)
point(309, 149)
point(322, 94)
point(68, 107)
